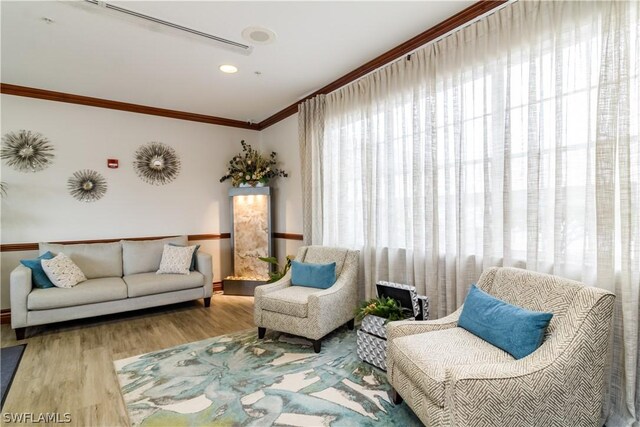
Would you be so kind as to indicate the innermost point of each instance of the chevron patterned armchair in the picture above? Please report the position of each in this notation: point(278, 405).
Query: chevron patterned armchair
point(309, 312)
point(450, 377)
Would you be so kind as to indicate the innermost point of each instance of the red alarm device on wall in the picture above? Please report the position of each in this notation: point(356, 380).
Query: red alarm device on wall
point(112, 163)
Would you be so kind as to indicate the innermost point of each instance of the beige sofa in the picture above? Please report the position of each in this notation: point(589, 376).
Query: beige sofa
point(450, 377)
point(121, 277)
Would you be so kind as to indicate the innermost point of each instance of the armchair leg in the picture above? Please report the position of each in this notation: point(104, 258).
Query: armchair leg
point(351, 324)
point(261, 332)
point(20, 333)
point(395, 397)
point(317, 345)
point(207, 301)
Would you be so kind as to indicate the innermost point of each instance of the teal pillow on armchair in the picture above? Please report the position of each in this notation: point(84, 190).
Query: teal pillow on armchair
point(321, 276)
point(515, 330)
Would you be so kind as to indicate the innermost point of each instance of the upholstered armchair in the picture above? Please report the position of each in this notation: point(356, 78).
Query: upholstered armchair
point(310, 312)
point(450, 377)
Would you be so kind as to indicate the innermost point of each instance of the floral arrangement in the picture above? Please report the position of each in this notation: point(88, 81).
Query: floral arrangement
point(252, 167)
point(388, 308)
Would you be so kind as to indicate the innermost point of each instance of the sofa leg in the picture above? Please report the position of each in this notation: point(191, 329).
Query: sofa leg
point(261, 332)
point(317, 346)
point(351, 324)
point(207, 301)
point(20, 333)
point(395, 396)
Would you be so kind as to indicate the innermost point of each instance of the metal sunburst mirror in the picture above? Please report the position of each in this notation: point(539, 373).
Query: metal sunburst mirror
point(26, 151)
point(87, 185)
point(156, 163)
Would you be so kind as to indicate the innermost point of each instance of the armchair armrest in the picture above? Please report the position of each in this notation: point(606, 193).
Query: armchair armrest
point(204, 265)
point(401, 328)
point(335, 306)
point(331, 296)
point(262, 290)
point(20, 287)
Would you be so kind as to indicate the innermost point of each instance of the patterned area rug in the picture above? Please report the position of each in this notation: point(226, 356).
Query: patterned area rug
point(239, 380)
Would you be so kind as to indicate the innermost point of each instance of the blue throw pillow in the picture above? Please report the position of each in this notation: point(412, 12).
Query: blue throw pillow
point(321, 276)
point(517, 331)
point(39, 278)
point(192, 267)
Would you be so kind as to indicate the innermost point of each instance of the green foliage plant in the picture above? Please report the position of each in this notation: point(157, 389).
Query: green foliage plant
point(278, 272)
point(387, 308)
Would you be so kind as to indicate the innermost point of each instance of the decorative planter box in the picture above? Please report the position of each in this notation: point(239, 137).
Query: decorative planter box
point(372, 341)
point(372, 335)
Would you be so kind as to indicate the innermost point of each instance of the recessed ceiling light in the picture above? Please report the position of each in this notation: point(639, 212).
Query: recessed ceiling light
point(259, 35)
point(229, 69)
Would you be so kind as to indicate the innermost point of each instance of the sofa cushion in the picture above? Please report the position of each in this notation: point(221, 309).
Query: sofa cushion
point(144, 256)
point(88, 292)
point(426, 357)
point(292, 300)
point(151, 283)
point(94, 259)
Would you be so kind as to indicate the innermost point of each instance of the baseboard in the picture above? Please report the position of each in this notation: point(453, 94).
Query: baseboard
point(5, 313)
point(5, 316)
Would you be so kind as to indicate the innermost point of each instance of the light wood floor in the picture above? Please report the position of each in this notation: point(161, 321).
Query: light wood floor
point(68, 367)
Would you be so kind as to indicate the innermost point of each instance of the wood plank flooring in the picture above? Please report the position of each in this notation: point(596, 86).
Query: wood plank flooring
point(68, 367)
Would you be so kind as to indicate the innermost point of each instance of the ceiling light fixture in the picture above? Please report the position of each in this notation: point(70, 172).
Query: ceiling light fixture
point(259, 35)
point(229, 69)
point(243, 48)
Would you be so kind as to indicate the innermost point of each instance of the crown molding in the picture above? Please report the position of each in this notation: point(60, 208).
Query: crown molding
point(49, 95)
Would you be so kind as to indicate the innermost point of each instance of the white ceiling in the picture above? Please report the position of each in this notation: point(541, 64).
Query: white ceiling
point(90, 51)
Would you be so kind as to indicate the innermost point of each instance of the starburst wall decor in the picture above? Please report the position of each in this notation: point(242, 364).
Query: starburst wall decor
point(87, 185)
point(26, 151)
point(156, 163)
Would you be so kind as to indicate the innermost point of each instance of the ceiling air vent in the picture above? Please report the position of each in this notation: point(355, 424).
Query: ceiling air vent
point(238, 47)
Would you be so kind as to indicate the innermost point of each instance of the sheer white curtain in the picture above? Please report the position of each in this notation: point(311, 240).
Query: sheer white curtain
point(512, 142)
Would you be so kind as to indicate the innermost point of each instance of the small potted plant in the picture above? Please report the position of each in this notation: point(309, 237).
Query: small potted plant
point(250, 168)
point(386, 308)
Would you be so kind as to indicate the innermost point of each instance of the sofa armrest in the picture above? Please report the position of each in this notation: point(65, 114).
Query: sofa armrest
point(205, 266)
point(20, 287)
point(401, 328)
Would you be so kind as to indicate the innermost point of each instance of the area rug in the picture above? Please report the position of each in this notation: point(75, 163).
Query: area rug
point(10, 358)
point(239, 380)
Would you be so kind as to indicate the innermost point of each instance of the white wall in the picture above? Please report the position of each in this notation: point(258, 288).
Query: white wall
point(38, 206)
point(287, 199)
point(283, 139)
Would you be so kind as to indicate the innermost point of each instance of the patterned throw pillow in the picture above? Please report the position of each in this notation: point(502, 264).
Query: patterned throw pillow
point(62, 271)
point(176, 259)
